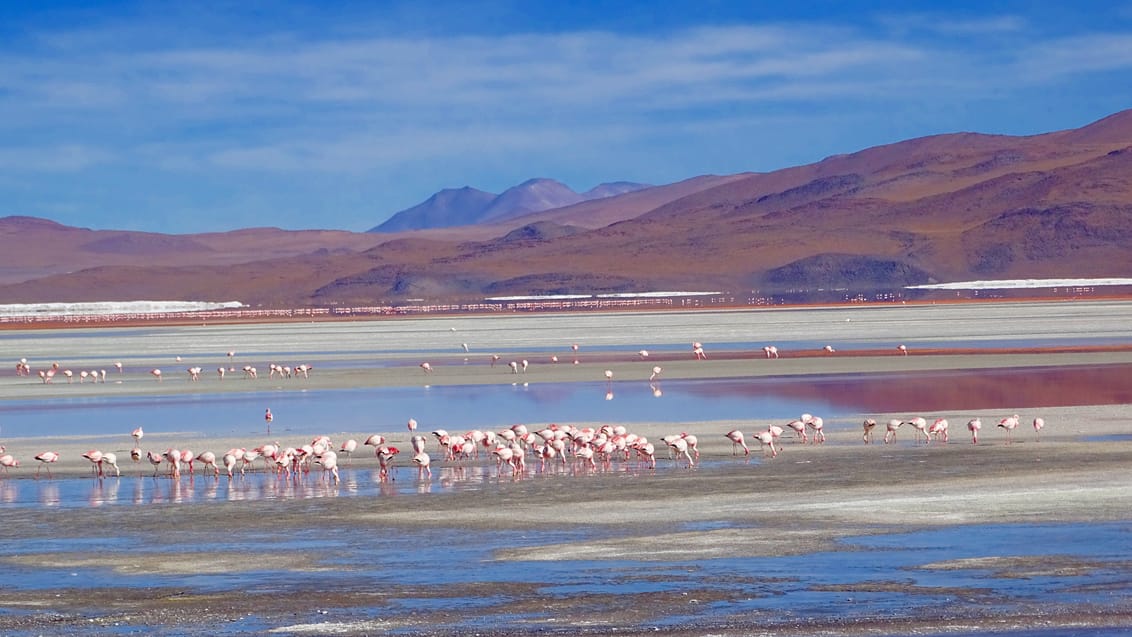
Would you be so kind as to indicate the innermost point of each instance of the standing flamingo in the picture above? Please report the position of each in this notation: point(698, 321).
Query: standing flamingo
point(974, 425)
point(902, 348)
point(939, 429)
point(412, 425)
point(8, 460)
point(348, 448)
point(828, 349)
point(890, 430)
point(736, 438)
point(156, 373)
point(868, 426)
point(921, 427)
point(771, 351)
point(95, 457)
point(422, 461)
point(137, 434)
point(1010, 423)
point(698, 351)
point(426, 367)
point(208, 459)
point(1038, 424)
point(766, 439)
point(329, 462)
point(155, 459)
point(46, 459)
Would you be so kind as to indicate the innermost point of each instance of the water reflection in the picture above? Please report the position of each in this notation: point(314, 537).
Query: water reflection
point(143, 490)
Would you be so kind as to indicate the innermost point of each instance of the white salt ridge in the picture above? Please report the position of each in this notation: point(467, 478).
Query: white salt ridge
point(1013, 284)
point(612, 295)
point(112, 307)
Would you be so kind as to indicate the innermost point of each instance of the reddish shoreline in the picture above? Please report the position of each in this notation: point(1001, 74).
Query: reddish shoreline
point(308, 315)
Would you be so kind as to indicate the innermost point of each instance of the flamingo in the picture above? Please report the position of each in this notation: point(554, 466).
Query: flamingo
point(771, 351)
point(829, 349)
point(155, 459)
point(514, 365)
point(799, 429)
point(208, 459)
point(329, 462)
point(220, 372)
point(608, 376)
point(135, 454)
point(698, 351)
point(412, 425)
point(118, 366)
point(495, 359)
point(112, 460)
point(422, 461)
point(375, 441)
point(427, 368)
point(1038, 424)
point(268, 417)
point(156, 373)
point(736, 438)
point(766, 439)
point(818, 425)
point(921, 427)
point(939, 429)
point(137, 434)
point(902, 348)
point(974, 425)
point(348, 448)
point(8, 460)
point(95, 457)
point(385, 457)
point(868, 426)
point(643, 354)
point(1010, 423)
point(46, 459)
point(523, 364)
point(890, 430)
point(655, 373)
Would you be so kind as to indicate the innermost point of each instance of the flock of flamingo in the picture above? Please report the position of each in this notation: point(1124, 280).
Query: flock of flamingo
point(510, 448)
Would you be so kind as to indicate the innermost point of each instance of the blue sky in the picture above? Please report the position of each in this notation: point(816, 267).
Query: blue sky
point(209, 116)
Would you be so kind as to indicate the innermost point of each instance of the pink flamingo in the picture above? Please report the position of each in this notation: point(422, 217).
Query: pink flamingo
point(422, 461)
point(698, 351)
point(348, 448)
point(208, 459)
point(1038, 424)
point(412, 425)
point(118, 366)
point(155, 459)
point(95, 457)
point(427, 368)
point(921, 427)
point(736, 438)
point(46, 459)
point(655, 373)
point(818, 425)
point(868, 427)
point(939, 429)
point(829, 349)
point(385, 458)
point(8, 460)
point(156, 373)
point(973, 426)
point(902, 348)
point(766, 439)
point(137, 434)
point(329, 462)
point(890, 430)
point(771, 351)
point(1010, 423)
point(799, 429)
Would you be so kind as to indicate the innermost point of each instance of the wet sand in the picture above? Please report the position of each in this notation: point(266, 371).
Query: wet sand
point(801, 503)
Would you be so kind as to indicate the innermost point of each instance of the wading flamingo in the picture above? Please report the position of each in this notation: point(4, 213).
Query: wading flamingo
point(426, 367)
point(939, 429)
point(156, 373)
point(736, 438)
point(46, 459)
point(1038, 424)
point(766, 439)
point(973, 426)
point(1010, 423)
point(8, 460)
point(868, 426)
point(890, 429)
point(698, 351)
point(771, 351)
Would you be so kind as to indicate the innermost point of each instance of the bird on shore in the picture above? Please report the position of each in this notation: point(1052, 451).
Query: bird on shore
point(655, 373)
point(973, 426)
point(766, 439)
point(938, 429)
point(422, 460)
point(412, 425)
point(156, 373)
point(868, 427)
point(890, 430)
point(737, 440)
point(137, 434)
point(1038, 424)
point(698, 351)
point(771, 351)
point(426, 367)
point(921, 427)
point(902, 348)
point(8, 461)
point(348, 447)
point(1010, 423)
point(46, 459)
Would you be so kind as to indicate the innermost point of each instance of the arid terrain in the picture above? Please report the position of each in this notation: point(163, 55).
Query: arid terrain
point(840, 538)
point(955, 207)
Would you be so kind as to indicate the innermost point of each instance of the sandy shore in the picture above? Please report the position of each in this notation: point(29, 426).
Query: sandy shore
point(800, 503)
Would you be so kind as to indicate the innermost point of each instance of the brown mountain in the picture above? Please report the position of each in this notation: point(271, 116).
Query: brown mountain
point(942, 208)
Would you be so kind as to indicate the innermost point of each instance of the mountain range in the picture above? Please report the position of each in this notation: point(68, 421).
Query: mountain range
point(467, 206)
point(943, 208)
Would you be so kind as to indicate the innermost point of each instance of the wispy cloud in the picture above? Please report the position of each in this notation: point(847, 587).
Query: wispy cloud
point(288, 101)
